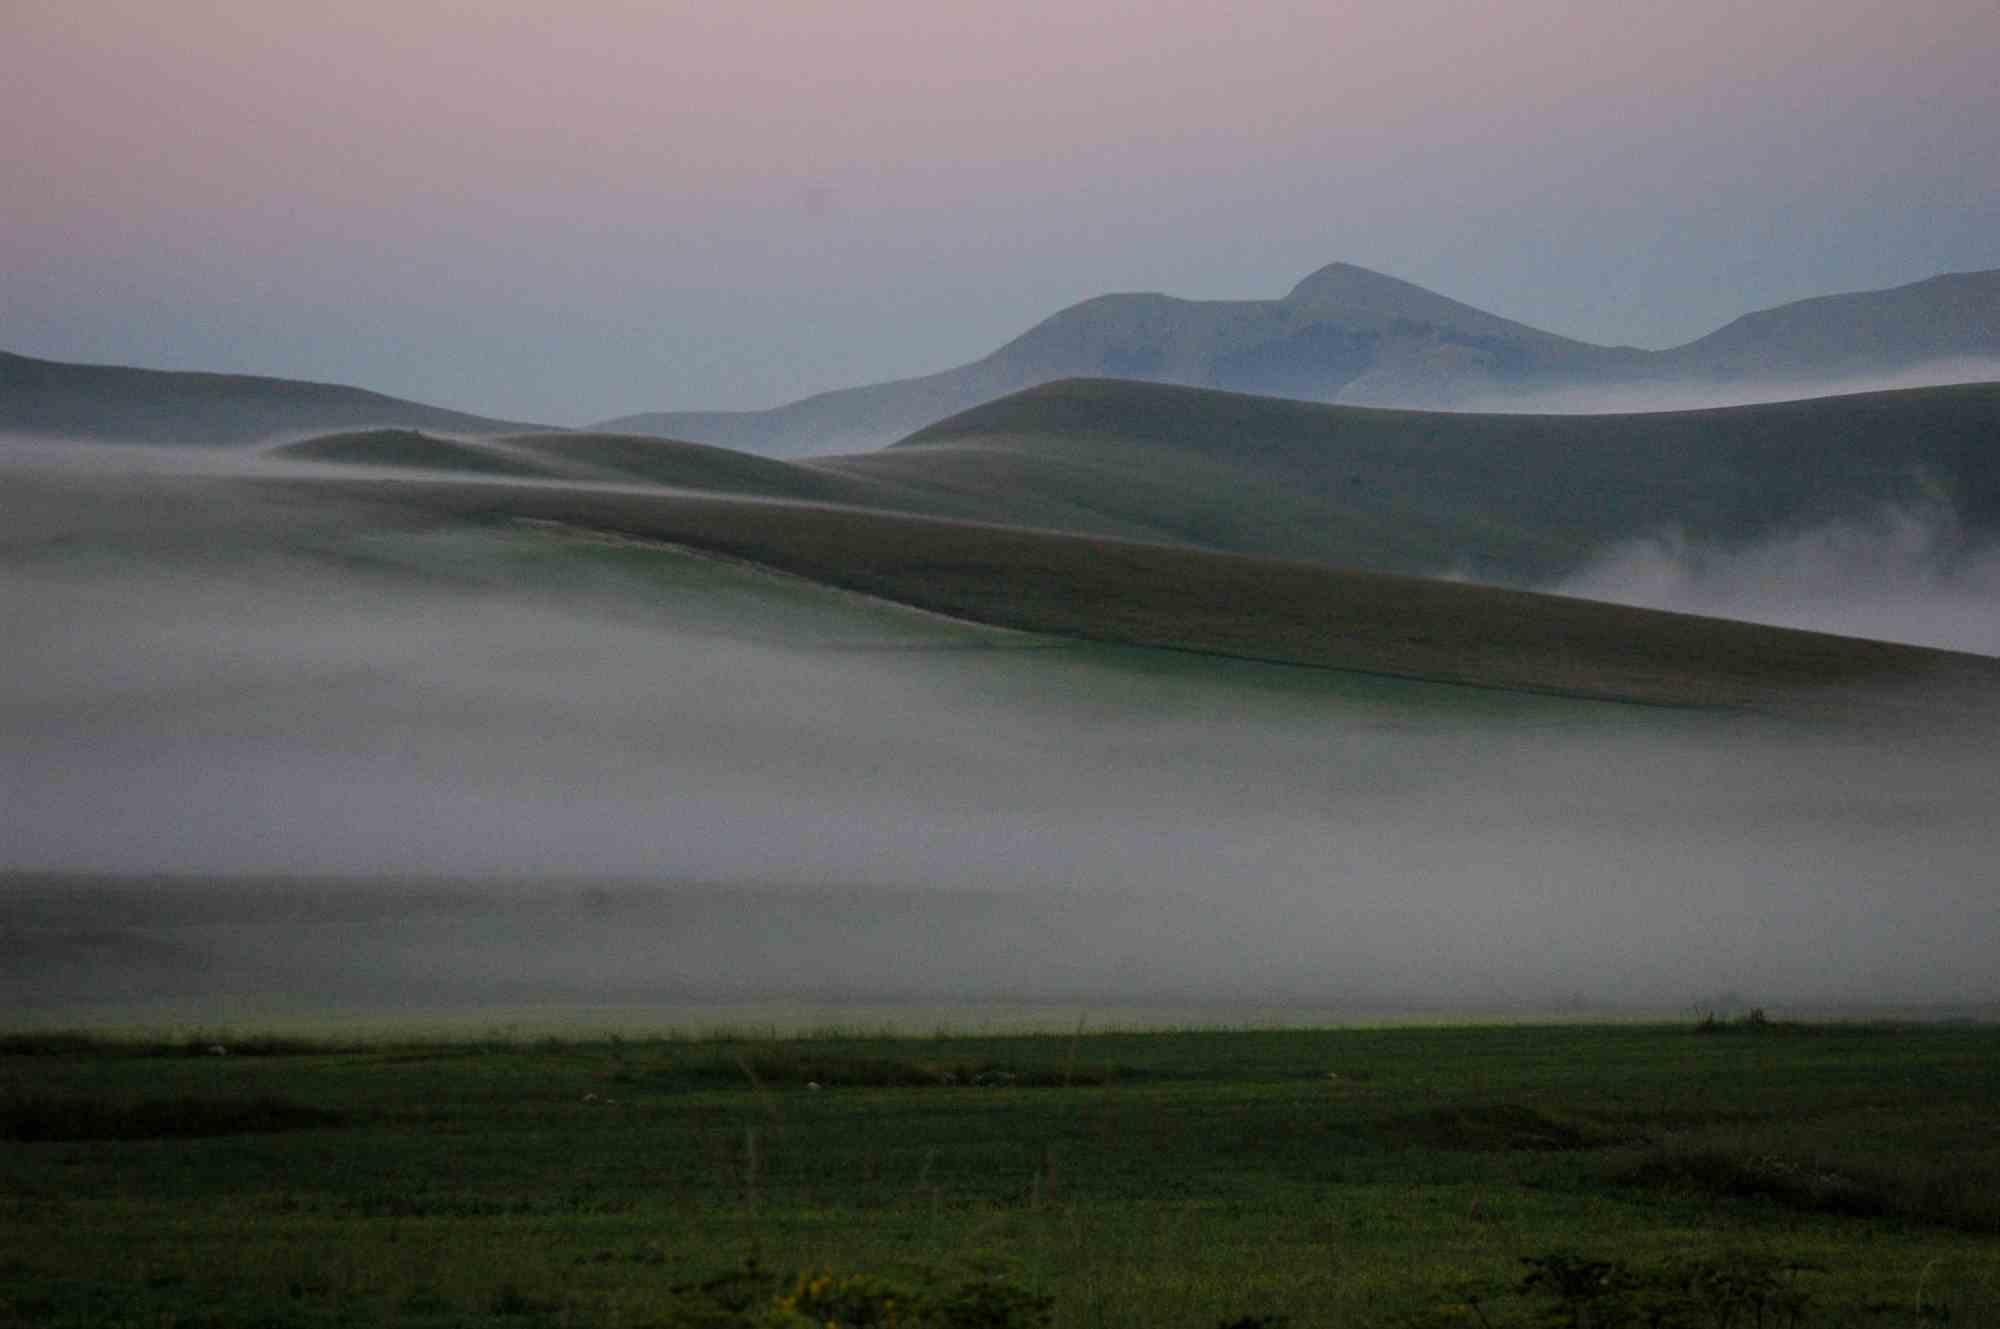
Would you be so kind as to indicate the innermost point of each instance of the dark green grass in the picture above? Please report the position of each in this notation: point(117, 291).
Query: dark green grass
point(1519, 497)
point(1338, 1177)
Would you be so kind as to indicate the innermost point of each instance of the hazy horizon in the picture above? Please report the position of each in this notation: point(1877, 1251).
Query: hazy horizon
point(569, 215)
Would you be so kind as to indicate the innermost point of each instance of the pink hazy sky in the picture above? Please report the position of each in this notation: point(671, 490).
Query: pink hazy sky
point(571, 212)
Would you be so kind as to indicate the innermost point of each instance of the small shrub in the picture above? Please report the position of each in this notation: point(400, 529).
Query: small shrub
point(750, 1298)
point(1588, 1293)
point(1717, 1291)
point(1735, 1287)
point(851, 1301)
point(991, 1303)
point(1728, 1175)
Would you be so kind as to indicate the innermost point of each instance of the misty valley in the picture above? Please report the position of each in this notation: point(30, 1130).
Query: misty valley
point(1047, 665)
point(1125, 855)
point(380, 723)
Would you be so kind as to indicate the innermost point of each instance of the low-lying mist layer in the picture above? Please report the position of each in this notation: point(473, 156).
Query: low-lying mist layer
point(267, 743)
point(1910, 574)
point(1693, 394)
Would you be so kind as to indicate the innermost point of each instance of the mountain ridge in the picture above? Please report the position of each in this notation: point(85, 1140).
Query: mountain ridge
point(1347, 334)
point(1342, 334)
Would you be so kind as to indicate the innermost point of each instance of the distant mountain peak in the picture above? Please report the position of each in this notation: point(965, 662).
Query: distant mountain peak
point(1347, 333)
point(1350, 286)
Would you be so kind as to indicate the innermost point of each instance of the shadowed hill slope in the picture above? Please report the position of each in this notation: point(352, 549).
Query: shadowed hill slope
point(115, 404)
point(409, 449)
point(1345, 334)
point(1510, 498)
point(1224, 604)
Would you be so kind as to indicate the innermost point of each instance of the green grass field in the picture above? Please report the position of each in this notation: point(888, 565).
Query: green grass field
point(1747, 1174)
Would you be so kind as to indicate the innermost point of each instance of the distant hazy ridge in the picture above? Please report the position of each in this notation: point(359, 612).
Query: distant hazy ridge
point(1349, 335)
point(1344, 334)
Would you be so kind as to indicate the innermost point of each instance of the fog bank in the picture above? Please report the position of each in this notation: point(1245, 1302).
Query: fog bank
point(1615, 398)
point(1907, 574)
point(257, 744)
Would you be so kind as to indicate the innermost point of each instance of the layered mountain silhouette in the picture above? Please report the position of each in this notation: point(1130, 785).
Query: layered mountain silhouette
point(115, 404)
point(1346, 334)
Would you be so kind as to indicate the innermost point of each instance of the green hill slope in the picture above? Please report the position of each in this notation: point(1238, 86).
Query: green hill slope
point(1200, 600)
point(116, 404)
point(1511, 498)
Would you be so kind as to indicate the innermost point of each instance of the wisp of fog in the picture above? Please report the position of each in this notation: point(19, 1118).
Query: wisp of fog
point(1907, 574)
point(258, 741)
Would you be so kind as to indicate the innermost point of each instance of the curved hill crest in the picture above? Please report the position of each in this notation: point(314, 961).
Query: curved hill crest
point(112, 403)
point(1517, 499)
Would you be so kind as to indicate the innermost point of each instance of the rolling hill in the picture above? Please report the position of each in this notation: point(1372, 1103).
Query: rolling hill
point(1252, 608)
point(1343, 334)
point(542, 663)
point(1517, 499)
point(115, 404)
point(1346, 334)
point(1277, 530)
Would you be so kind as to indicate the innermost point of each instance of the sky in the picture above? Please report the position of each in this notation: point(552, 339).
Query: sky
point(567, 213)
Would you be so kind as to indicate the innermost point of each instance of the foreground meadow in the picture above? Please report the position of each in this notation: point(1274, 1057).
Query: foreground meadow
point(1742, 1173)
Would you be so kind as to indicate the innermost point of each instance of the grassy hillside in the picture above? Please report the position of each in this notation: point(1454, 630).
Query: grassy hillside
point(1512, 498)
point(407, 449)
point(1515, 497)
point(1227, 604)
point(117, 404)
